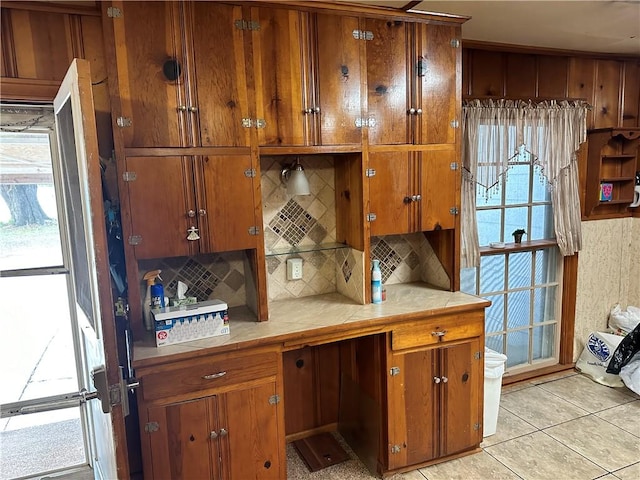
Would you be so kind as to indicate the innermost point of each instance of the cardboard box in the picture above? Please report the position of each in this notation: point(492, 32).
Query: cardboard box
point(185, 323)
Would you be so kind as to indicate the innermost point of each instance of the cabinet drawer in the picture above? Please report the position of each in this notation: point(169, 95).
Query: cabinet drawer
point(208, 373)
point(437, 330)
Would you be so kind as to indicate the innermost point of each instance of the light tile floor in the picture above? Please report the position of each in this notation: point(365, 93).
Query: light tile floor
point(559, 427)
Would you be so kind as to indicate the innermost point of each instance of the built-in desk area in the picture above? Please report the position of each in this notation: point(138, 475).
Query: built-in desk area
point(401, 381)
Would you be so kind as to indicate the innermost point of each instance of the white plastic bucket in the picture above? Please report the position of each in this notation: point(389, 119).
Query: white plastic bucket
point(493, 371)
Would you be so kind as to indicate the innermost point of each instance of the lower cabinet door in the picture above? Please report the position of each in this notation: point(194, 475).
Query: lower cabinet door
point(229, 436)
point(434, 402)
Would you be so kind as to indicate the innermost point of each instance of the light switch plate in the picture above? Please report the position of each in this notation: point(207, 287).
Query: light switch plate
point(294, 268)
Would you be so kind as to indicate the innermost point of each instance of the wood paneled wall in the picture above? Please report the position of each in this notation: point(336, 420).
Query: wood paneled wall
point(39, 41)
point(611, 85)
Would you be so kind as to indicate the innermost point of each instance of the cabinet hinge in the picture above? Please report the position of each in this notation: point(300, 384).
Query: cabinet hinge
point(123, 122)
point(260, 123)
point(114, 12)
point(274, 399)
point(247, 25)
point(370, 172)
point(477, 426)
point(454, 123)
point(255, 230)
point(152, 427)
point(250, 173)
point(371, 217)
point(365, 122)
point(477, 355)
point(247, 122)
point(250, 122)
point(135, 240)
point(455, 43)
point(454, 166)
point(393, 371)
point(454, 211)
point(363, 35)
point(129, 176)
point(396, 448)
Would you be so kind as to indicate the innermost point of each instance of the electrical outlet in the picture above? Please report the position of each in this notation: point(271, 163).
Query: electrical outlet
point(294, 269)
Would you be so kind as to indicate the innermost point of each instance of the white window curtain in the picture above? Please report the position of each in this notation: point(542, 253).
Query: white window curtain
point(492, 133)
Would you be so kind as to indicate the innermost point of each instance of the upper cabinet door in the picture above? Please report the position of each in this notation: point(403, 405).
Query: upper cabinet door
point(226, 208)
point(336, 87)
point(437, 91)
point(440, 189)
point(278, 68)
point(150, 74)
point(389, 195)
point(308, 81)
point(387, 81)
point(218, 85)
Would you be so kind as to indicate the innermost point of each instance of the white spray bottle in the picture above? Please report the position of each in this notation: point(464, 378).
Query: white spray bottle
point(150, 278)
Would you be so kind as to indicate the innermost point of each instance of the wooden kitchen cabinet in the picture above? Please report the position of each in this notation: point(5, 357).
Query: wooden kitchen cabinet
point(307, 68)
point(185, 205)
point(413, 81)
point(435, 396)
point(181, 74)
point(613, 160)
point(216, 417)
point(413, 191)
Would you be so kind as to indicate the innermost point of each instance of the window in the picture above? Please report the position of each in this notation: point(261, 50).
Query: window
point(523, 282)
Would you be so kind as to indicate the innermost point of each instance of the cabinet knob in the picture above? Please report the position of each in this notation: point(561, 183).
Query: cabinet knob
point(213, 434)
point(412, 111)
point(416, 198)
point(436, 379)
point(307, 111)
point(223, 432)
point(202, 212)
point(419, 111)
point(182, 108)
point(316, 110)
point(193, 109)
point(191, 213)
point(445, 379)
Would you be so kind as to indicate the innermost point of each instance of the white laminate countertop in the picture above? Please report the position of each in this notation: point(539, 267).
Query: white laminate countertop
point(302, 319)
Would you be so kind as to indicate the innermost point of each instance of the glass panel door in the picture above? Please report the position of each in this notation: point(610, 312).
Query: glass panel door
point(37, 346)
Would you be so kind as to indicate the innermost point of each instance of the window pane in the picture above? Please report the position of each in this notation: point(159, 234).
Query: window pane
point(543, 341)
point(489, 196)
point(541, 222)
point(29, 233)
point(39, 335)
point(494, 315)
point(517, 348)
point(519, 270)
point(492, 273)
point(488, 226)
point(518, 309)
point(515, 218)
point(468, 280)
point(546, 265)
point(544, 304)
point(517, 185)
point(495, 343)
point(540, 186)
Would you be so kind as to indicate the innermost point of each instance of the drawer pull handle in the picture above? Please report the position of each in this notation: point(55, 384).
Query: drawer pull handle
point(441, 333)
point(213, 376)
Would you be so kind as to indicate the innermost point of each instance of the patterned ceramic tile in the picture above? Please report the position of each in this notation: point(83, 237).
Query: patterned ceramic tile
point(626, 416)
point(538, 456)
point(585, 393)
point(479, 466)
point(601, 442)
point(539, 408)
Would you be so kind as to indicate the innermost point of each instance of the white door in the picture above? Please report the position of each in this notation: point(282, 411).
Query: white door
point(81, 183)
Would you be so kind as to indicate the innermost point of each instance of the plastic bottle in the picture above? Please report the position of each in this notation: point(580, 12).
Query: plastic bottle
point(150, 278)
point(376, 282)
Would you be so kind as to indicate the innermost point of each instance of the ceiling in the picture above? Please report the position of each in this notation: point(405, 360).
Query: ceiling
point(578, 25)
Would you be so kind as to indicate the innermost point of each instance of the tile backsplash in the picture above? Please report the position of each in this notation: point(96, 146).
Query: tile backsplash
point(309, 222)
point(220, 276)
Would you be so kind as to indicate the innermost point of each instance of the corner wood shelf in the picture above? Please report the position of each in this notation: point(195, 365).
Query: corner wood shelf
point(612, 158)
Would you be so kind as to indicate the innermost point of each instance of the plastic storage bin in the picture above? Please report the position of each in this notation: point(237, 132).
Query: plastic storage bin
point(493, 371)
